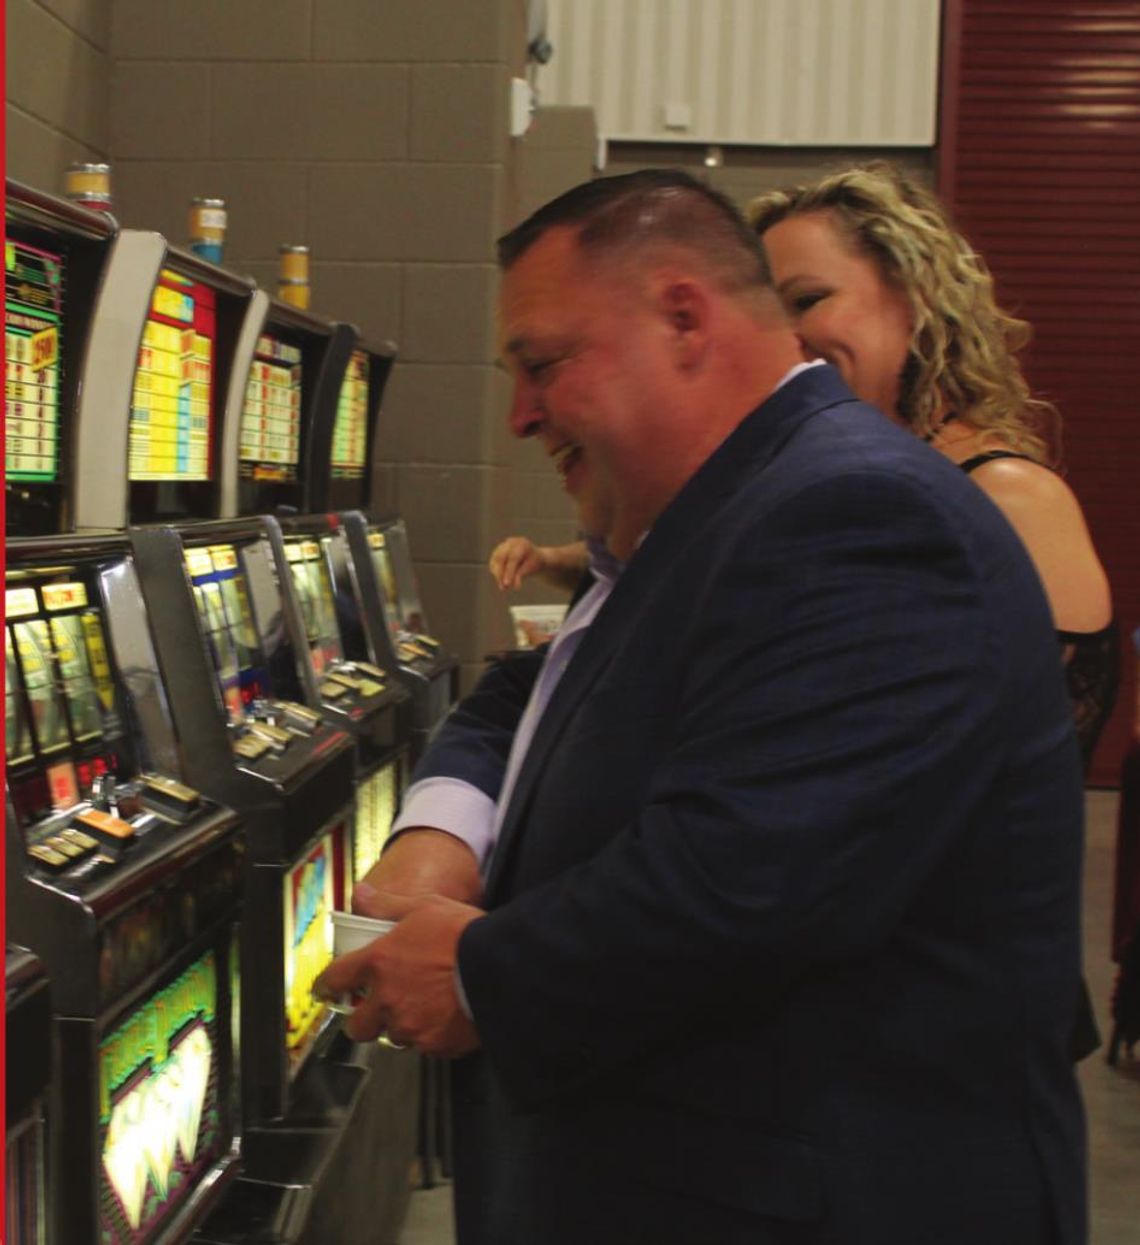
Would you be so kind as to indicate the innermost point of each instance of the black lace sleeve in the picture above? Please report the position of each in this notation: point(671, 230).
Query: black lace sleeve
point(1092, 672)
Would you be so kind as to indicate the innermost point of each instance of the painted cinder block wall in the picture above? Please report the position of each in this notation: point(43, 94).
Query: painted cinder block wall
point(376, 133)
point(58, 67)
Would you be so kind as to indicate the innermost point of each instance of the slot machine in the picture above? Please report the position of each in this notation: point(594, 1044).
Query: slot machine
point(376, 567)
point(291, 390)
point(55, 257)
point(369, 558)
point(230, 671)
point(126, 884)
point(29, 1036)
point(364, 698)
point(165, 372)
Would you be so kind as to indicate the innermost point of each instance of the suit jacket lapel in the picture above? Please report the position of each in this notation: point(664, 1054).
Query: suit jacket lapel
point(742, 455)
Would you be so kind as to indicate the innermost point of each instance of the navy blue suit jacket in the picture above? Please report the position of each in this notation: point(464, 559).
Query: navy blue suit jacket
point(783, 930)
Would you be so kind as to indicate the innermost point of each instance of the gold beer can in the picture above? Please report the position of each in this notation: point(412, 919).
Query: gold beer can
point(89, 184)
point(293, 278)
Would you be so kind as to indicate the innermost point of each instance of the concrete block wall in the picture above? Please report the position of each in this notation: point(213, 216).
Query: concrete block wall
point(375, 132)
point(558, 152)
point(58, 86)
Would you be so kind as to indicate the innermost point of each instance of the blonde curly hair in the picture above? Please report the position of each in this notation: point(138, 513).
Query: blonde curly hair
point(963, 348)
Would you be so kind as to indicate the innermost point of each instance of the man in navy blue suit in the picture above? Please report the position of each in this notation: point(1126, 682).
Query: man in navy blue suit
point(750, 913)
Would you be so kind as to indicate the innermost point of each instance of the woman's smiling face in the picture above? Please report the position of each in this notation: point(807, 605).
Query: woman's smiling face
point(843, 308)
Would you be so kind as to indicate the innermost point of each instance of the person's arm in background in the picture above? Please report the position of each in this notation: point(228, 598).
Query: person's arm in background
point(517, 558)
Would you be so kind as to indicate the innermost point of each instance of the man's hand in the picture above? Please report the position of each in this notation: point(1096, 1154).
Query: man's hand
point(419, 861)
point(407, 979)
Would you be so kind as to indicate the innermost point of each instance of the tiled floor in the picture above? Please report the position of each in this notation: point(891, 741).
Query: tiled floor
point(1112, 1095)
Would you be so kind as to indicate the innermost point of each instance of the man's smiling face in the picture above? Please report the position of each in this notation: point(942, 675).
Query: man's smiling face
point(587, 356)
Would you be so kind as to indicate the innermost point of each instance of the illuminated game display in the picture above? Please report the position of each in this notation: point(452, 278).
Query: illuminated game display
point(270, 434)
point(59, 699)
point(309, 892)
point(33, 309)
point(386, 573)
point(171, 424)
point(375, 812)
point(222, 598)
point(350, 432)
point(159, 1107)
point(311, 578)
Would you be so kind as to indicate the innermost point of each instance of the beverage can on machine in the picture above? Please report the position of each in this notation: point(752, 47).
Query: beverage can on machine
point(89, 185)
point(293, 279)
point(208, 228)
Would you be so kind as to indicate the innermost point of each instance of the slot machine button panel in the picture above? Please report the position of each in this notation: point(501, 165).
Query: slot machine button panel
point(344, 679)
point(66, 848)
point(48, 858)
point(366, 667)
point(166, 792)
point(298, 717)
point(250, 747)
point(275, 738)
point(109, 829)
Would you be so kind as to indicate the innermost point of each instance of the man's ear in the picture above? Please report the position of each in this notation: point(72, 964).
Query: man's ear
point(684, 308)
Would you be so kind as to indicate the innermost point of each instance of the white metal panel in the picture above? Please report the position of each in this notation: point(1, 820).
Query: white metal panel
point(803, 72)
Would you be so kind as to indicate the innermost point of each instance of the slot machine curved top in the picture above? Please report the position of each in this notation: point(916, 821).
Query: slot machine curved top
point(337, 469)
point(293, 375)
point(150, 444)
point(127, 885)
point(55, 256)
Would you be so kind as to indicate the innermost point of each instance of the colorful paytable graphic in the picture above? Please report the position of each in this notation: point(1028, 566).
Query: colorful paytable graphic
point(158, 1086)
point(308, 942)
point(154, 1122)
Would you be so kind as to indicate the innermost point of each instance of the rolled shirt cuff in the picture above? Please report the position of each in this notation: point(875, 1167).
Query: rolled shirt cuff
point(452, 805)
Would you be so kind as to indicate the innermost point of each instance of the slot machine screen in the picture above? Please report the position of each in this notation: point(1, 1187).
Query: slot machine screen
point(221, 594)
point(312, 886)
point(375, 812)
point(385, 572)
point(269, 449)
point(350, 432)
point(161, 1106)
point(33, 327)
point(172, 426)
point(64, 726)
point(313, 582)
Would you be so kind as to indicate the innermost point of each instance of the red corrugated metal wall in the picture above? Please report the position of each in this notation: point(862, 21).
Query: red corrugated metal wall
point(1040, 159)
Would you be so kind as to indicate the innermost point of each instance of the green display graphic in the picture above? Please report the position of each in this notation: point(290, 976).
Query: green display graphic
point(33, 301)
point(159, 1109)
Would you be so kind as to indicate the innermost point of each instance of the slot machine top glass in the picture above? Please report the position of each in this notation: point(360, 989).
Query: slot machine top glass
point(288, 384)
point(180, 389)
point(342, 446)
point(350, 431)
point(54, 255)
point(171, 427)
point(270, 439)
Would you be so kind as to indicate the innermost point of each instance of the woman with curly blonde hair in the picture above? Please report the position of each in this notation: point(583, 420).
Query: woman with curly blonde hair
point(879, 283)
